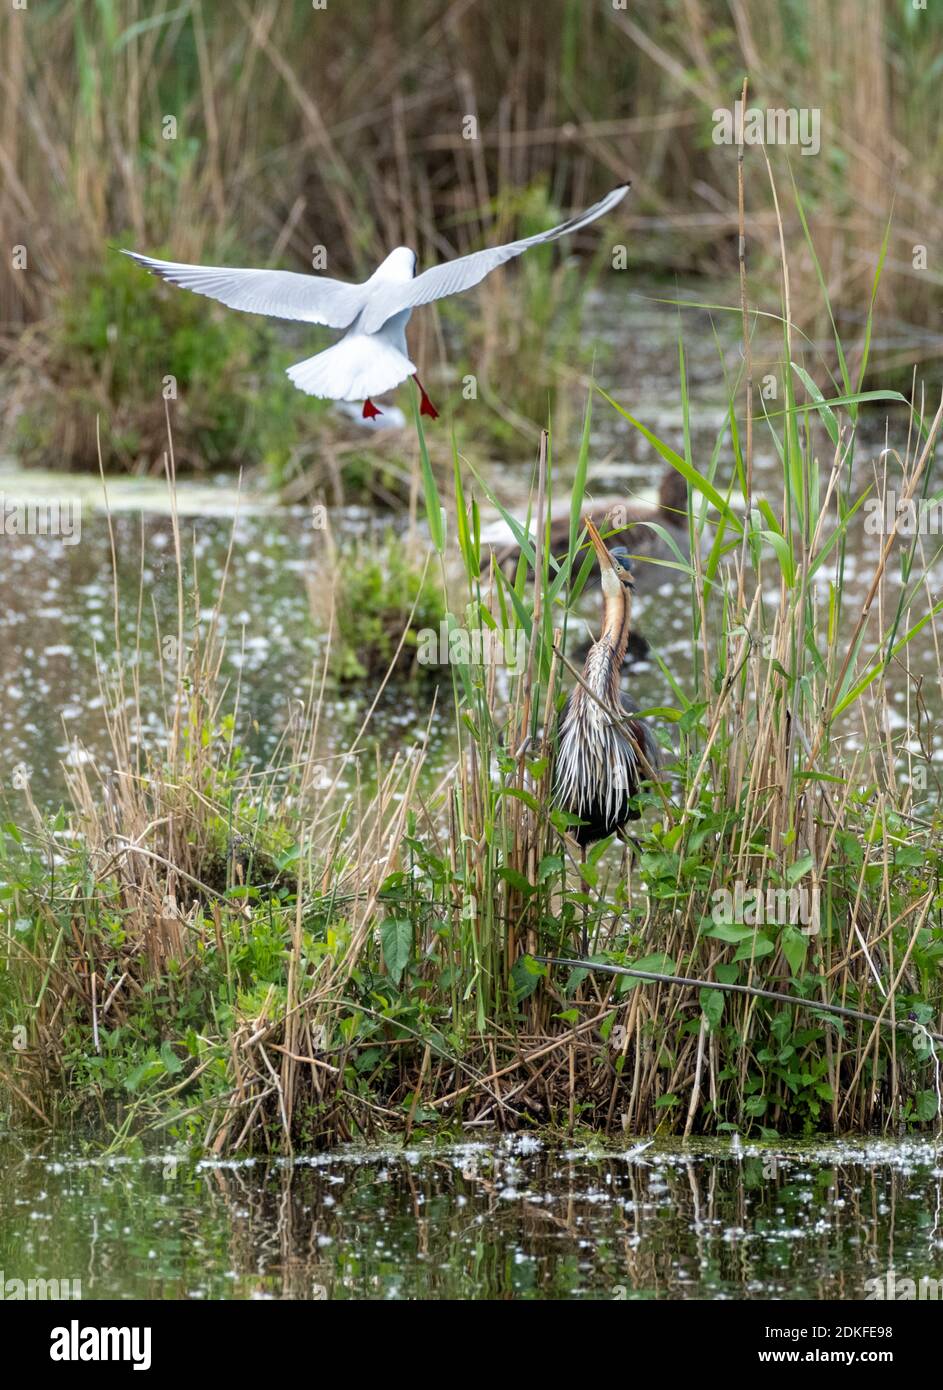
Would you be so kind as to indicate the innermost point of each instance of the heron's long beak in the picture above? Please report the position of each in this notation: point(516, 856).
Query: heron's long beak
point(599, 545)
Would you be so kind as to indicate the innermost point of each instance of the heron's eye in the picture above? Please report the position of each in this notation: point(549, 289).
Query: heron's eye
point(623, 566)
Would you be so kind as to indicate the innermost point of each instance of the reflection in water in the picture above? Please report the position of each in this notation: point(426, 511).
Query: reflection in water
point(508, 1218)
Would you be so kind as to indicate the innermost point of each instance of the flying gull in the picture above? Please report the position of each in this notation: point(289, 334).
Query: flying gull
point(372, 357)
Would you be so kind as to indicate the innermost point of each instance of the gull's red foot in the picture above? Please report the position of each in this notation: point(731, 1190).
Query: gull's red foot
point(369, 410)
point(425, 405)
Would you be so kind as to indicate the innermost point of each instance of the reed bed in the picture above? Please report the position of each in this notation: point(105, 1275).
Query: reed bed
point(269, 958)
point(246, 959)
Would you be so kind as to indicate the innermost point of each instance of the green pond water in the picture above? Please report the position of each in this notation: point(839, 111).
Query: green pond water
point(492, 1217)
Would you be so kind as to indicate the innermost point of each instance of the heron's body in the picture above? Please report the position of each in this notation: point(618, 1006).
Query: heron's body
point(604, 752)
point(372, 357)
point(598, 768)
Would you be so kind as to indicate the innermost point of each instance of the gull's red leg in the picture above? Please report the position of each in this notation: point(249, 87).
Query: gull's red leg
point(370, 410)
point(425, 405)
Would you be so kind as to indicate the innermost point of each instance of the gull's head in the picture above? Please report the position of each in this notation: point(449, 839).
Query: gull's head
point(400, 264)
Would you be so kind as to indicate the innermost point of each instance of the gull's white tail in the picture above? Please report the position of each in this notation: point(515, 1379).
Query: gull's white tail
point(359, 366)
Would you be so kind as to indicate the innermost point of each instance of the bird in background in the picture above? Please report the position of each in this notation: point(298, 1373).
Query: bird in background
point(629, 518)
point(604, 751)
point(372, 357)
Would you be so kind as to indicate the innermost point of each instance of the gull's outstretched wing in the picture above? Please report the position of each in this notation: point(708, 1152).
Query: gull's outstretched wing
point(455, 276)
point(284, 294)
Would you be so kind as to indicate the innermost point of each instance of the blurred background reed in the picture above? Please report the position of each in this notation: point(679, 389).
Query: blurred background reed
point(256, 133)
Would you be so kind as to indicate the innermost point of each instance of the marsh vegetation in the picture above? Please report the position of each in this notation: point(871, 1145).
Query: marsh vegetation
point(235, 944)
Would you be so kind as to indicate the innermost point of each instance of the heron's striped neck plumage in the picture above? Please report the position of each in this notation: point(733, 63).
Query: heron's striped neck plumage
point(604, 663)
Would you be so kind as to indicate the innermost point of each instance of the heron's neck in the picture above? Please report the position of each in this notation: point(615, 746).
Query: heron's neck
point(607, 655)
